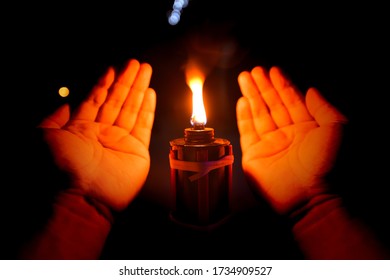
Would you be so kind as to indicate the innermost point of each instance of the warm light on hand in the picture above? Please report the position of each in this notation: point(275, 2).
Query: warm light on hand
point(289, 142)
point(103, 144)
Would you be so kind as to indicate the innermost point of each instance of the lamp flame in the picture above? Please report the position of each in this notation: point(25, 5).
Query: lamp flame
point(198, 111)
point(195, 80)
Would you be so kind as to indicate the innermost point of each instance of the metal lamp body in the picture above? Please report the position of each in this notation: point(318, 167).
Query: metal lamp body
point(205, 201)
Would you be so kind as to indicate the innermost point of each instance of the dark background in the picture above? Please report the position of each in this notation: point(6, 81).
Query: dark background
point(341, 50)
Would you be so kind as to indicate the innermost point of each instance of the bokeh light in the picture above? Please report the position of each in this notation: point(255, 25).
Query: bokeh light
point(175, 14)
point(63, 91)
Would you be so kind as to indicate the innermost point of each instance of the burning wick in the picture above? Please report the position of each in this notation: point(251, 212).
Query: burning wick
point(198, 126)
point(198, 118)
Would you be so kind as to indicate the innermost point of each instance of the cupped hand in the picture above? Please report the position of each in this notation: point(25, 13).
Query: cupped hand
point(289, 141)
point(103, 145)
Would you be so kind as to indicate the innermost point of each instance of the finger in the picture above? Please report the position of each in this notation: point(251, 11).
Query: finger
point(58, 119)
point(322, 111)
point(245, 124)
point(143, 127)
point(129, 113)
point(259, 112)
point(89, 108)
point(118, 93)
point(290, 96)
point(277, 109)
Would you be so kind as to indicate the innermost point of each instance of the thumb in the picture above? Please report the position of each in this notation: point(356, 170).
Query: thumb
point(322, 111)
point(57, 119)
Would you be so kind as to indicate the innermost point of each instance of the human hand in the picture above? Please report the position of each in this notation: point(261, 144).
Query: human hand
point(289, 142)
point(104, 144)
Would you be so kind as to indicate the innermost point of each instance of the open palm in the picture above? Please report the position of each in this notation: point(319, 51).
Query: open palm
point(289, 142)
point(103, 145)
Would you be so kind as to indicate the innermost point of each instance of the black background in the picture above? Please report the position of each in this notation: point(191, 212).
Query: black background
point(341, 50)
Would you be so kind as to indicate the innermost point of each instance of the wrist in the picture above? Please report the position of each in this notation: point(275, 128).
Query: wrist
point(77, 229)
point(325, 229)
point(100, 208)
point(321, 203)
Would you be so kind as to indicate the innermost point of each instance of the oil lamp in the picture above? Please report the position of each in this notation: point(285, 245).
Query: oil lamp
point(201, 170)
